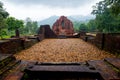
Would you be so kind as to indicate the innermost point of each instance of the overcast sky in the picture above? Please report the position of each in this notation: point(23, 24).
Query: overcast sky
point(41, 9)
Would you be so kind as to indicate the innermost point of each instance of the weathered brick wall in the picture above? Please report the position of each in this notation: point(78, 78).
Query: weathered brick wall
point(29, 42)
point(109, 42)
point(40, 37)
point(10, 46)
point(90, 39)
point(112, 42)
point(13, 45)
point(47, 31)
point(98, 41)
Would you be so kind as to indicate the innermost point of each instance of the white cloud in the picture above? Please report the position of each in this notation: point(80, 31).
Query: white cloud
point(39, 12)
point(51, 3)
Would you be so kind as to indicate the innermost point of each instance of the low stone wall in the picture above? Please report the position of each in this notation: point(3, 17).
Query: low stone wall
point(13, 45)
point(99, 40)
point(10, 46)
point(107, 41)
point(29, 42)
point(87, 38)
point(112, 42)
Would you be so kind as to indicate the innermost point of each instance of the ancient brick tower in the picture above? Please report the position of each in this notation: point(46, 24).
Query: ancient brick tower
point(63, 26)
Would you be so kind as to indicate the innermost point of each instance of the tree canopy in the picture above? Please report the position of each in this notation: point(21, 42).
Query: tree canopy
point(105, 19)
point(3, 15)
point(31, 26)
point(8, 24)
point(13, 23)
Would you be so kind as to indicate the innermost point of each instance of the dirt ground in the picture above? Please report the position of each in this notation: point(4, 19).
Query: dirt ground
point(62, 50)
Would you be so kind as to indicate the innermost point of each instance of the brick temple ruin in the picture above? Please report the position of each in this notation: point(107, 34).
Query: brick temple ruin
point(13, 69)
point(63, 26)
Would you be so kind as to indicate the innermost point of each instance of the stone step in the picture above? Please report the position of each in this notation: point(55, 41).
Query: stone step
point(106, 71)
point(61, 71)
point(18, 72)
point(89, 70)
point(8, 67)
point(5, 59)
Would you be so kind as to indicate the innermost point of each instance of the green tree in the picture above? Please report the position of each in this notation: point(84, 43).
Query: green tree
point(99, 8)
point(114, 6)
point(28, 25)
point(31, 26)
point(76, 26)
point(3, 15)
point(14, 24)
point(91, 26)
point(105, 21)
point(35, 27)
point(3, 12)
point(83, 27)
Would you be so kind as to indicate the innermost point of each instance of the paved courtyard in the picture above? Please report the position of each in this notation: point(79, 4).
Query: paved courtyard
point(62, 50)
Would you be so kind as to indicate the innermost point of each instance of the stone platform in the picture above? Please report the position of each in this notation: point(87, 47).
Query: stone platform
point(107, 69)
